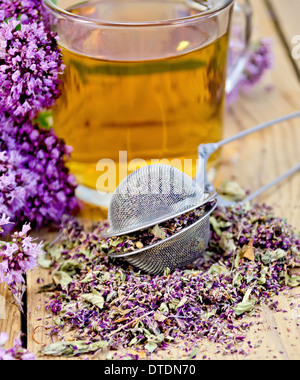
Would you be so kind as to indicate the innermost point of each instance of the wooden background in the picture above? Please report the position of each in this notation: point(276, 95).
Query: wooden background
point(255, 161)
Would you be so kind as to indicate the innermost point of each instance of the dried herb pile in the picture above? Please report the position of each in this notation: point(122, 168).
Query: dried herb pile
point(107, 303)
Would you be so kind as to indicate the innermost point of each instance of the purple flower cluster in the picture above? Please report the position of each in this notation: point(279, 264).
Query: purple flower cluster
point(30, 61)
point(17, 352)
point(35, 184)
point(4, 221)
point(28, 8)
point(17, 256)
point(259, 61)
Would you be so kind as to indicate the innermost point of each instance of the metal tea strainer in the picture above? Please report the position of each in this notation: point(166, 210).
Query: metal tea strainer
point(149, 196)
point(157, 193)
point(154, 194)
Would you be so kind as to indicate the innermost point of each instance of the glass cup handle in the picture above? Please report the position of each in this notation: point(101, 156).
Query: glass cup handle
point(237, 60)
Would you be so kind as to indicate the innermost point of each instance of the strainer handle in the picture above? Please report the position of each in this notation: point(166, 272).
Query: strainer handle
point(206, 150)
point(258, 128)
point(272, 183)
point(225, 202)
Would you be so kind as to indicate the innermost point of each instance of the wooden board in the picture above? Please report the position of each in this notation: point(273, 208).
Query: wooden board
point(286, 16)
point(254, 161)
point(261, 157)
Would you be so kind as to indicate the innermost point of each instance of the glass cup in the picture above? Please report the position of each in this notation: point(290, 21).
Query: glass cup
point(145, 82)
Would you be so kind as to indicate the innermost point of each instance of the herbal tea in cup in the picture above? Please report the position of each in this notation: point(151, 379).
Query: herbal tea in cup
point(144, 83)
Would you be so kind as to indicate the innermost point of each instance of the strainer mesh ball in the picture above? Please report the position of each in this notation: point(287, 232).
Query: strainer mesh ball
point(149, 195)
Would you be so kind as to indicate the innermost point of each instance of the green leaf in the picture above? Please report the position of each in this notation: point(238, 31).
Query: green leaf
point(217, 269)
point(159, 316)
point(263, 273)
point(208, 314)
point(119, 240)
point(70, 266)
point(270, 256)
point(237, 280)
point(164, 308)
point(154, 341)
point(89, 277)
point(151, 346)
point(292, 281)
point(44, 120)
point(72, 348)
point(218, 225)
point(158, 232)
point(243, 307)
point(54, 251)
point(182, 302)
point(62, 278)
point(94, 298)
point(44, 262)
point(246, 304)
point(58, 321)
point(232, 191)
point(192, 354)
point(238, 257)
point(227, 243)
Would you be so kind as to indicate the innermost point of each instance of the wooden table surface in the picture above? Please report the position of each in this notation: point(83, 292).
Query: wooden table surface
point(255, 161)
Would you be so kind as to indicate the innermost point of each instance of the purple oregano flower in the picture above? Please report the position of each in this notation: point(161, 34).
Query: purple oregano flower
point(259, 60)
point(17, 256)
point(30, 8)
point(35, 184)
point(30, 61)
point(17, 352)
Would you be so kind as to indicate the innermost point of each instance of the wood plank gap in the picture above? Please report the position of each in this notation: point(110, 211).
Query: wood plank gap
point(285, 43)
point(24, 330)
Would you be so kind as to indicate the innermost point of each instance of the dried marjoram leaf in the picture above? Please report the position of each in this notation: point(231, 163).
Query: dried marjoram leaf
point(158, 232)
point(232, 191)
point(248, 252)
point(72, 348)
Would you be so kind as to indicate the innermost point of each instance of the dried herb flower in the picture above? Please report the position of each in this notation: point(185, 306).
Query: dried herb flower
point(106, 300)
point(17, 352)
